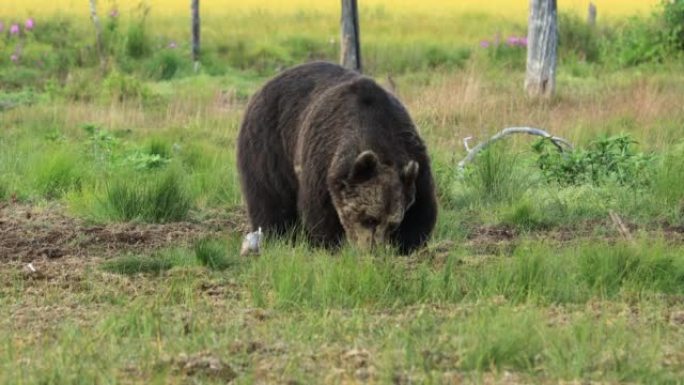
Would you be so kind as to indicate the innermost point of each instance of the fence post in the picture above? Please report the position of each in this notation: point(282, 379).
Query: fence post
point(542, 34)
point(591, 16)
point(194, 6)
point(98, 32)
point(350, 41)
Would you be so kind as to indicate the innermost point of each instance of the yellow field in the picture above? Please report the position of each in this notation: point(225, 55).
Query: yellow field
point(516, 9)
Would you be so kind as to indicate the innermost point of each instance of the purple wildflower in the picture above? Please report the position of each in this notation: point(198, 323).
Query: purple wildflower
point(172, 45)
point(14, 29)
point(14, 57)
point(114, 13)
point(2, 27)
point(515, 41)
point(484, 44)
point(30, 24)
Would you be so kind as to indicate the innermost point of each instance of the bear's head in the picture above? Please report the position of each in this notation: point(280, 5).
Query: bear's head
point(372, 197)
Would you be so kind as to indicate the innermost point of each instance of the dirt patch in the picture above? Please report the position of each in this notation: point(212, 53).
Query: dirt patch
point(29, 233)
point(495, 239)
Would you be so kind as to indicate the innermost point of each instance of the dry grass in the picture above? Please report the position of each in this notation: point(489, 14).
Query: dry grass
point(468, 104)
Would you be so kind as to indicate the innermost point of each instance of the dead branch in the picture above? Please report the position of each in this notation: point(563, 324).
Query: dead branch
point(620, 226)
point(560, 143)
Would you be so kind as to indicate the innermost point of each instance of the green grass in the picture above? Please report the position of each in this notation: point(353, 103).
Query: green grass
point(508, 314)
point(534, 273)
point(217, 254)
point(154, 198)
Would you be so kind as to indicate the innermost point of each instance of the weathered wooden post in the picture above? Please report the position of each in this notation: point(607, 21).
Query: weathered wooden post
point(98, 32)
point(591, 15)
point(351, 41)
point(542, 35)
point(194, 6)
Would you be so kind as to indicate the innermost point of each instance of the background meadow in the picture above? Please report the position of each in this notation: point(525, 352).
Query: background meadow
point(118, 186)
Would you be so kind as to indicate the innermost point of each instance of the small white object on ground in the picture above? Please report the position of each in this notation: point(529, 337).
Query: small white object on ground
point(252, 243)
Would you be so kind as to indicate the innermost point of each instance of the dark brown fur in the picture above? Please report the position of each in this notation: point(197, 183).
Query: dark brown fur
point(298, 143)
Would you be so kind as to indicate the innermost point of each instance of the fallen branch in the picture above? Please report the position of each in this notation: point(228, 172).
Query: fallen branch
point(620, 226)
point(560, 143)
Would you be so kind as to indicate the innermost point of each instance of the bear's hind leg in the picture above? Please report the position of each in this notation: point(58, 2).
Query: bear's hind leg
point(275, 212)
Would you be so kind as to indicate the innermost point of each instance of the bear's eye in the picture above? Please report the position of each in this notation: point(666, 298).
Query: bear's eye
point(369, 222)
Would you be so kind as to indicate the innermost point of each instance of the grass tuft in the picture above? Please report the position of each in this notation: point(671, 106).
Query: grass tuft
point(158, 198)
point(496, 175)
point(214, 254)
point(57, 173)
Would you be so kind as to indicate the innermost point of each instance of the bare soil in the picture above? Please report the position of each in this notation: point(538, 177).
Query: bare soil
point(29, 233)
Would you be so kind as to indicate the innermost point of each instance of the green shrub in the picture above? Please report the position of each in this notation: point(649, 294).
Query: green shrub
point(606, 160)
point(638, 41)
point(673, 18)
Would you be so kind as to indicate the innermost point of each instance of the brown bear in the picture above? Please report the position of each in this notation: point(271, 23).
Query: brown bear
point(327, 149)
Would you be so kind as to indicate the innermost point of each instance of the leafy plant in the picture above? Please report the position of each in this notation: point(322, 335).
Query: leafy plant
point(608, 159)
point(638, 41)
point(143, 161)
point(673, 18)
point(101, 143)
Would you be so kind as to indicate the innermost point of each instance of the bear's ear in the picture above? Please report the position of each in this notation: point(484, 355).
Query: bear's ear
point(409, 173)
point(365, 167)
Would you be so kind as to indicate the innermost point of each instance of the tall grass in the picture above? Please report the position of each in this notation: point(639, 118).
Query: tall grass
point(669, 182)
point(157, 197)
point(497, 175)
point(56, 173)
